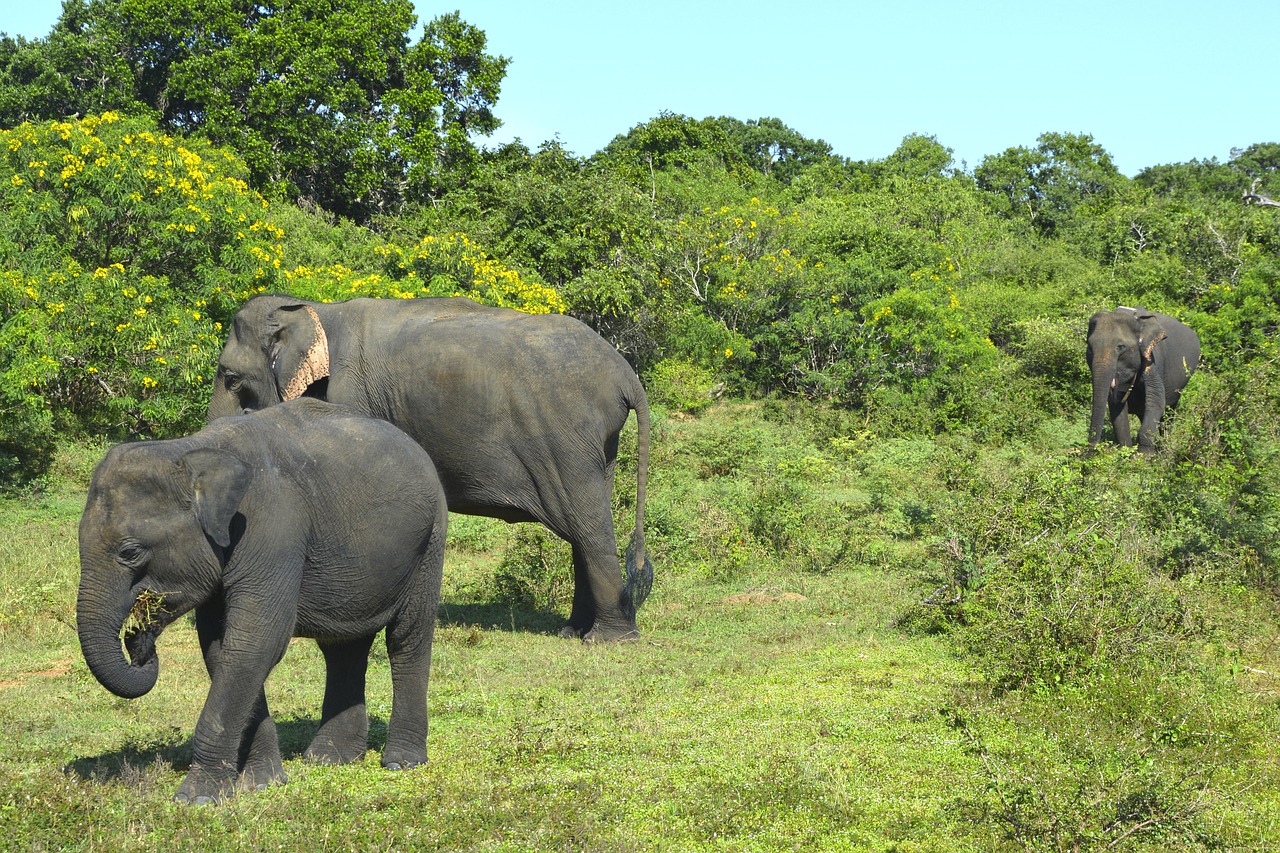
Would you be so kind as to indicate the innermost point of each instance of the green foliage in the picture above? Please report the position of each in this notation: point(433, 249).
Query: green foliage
point(536, 572)
point(324, 101)
point(680, 385)
point(105, 216)
point(1045, 187)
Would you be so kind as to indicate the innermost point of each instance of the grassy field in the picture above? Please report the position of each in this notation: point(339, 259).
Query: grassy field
point(792, 690)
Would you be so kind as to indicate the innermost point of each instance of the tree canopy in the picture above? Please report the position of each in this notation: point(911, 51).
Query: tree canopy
point(327, 101)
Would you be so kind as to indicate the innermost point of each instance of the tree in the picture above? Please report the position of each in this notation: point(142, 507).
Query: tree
point(1046, 185)
point(326, 100)
point(772, 148)
point(673, 141)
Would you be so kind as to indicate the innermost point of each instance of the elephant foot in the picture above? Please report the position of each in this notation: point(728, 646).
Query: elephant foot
point(611, 634)
point(258, 776)
point(571, 632)
point(403, 759)
point(202, 787)
point(326, 751)
point(342, 739)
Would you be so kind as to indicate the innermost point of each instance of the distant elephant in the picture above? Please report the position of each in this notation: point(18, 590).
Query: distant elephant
point(306, 520)
point(1140, 361)
point(520, 413)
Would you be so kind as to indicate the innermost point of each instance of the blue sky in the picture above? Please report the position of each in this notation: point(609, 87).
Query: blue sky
point(1152, 82)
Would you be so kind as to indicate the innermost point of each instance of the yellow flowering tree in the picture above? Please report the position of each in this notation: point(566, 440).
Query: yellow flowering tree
point(123, 253)
point(123, 256)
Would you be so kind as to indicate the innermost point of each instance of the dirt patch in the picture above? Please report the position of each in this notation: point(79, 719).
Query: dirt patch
point(59, 668)
point(758, 599)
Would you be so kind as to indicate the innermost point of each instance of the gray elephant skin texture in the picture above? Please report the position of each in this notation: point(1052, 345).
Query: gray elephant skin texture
point(305, 520)
point(521, 414)
point(1140, 361)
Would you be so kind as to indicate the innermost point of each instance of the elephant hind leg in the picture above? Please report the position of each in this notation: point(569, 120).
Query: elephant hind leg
point(344, 722)
point(606, 613)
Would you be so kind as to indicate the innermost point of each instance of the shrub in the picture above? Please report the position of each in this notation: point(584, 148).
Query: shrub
point(680, 385)
point(535, 572)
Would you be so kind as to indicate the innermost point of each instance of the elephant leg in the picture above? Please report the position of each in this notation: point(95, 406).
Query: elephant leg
point(582, 615)
point(235, 732)
point(595, 567)
point(1152, 414)
point(344, 722)
point(409, 650)
point(1120, 424)
point(260, 763)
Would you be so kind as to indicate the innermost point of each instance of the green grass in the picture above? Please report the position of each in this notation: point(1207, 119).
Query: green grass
point(786, 693)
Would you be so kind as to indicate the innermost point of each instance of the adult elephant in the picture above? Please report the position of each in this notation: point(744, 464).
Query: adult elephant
point(306, 520)
point(1140, 361)
point(520, 413)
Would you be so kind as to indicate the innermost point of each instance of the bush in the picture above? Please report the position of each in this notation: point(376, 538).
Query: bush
point(681, 385)
point(124, 252)
point(536, 571)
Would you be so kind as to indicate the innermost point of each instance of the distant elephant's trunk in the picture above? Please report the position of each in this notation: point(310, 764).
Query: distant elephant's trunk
point(99, 618)
point(1104, 376)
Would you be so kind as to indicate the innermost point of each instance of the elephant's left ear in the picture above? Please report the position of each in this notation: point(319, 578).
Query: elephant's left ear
point(219, 481)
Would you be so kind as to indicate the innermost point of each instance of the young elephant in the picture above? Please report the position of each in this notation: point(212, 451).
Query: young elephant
point(301, 520)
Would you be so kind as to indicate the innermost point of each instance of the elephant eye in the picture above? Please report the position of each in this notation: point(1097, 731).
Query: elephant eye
point(131, 554)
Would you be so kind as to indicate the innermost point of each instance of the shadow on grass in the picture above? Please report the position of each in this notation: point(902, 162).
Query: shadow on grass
point(496, 616)
point(138, 761)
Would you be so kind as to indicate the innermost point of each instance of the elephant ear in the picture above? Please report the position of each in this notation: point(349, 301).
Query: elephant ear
point(298, 349)
point(219, 481)
point(1150, 333)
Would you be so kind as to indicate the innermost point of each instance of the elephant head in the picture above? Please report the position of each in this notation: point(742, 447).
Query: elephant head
point(276, 349)
point(1120, 348)
point(155, 527)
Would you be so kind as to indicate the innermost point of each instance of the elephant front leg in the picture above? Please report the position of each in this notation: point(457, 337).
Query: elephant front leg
point(1153, 412)
point(1120, 423)
point(235, 740)
point(344, 722)
point(231, 729)
point(260, 762)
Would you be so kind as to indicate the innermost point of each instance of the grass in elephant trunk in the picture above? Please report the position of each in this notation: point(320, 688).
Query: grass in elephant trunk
point(789, 689)
point(145, 613)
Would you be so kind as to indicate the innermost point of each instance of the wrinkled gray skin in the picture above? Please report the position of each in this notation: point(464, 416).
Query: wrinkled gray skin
point(1140, 361)
point(305, 520)
point(520, 413)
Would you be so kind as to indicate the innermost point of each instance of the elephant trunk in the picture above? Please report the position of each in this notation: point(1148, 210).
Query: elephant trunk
point(1104, 378)
point(99, 619)
point(223, 403)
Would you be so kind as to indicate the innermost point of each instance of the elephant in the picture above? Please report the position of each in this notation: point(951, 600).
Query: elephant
point(521, 414)
point(305, 520)
point(1140, 361)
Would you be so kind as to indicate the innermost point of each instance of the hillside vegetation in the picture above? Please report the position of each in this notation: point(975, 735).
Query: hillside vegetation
point(899, 603)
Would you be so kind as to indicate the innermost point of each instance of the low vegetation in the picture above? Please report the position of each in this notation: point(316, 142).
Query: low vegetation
point(852, 644)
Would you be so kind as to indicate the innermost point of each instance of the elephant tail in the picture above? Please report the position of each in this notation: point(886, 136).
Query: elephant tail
point(639, 570)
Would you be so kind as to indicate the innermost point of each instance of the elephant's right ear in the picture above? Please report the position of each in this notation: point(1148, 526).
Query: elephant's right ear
point(1150, 333)
point(219, 481)
point(298, 349)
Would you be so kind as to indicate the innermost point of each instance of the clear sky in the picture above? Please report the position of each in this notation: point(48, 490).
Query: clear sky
point(1153, 81)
